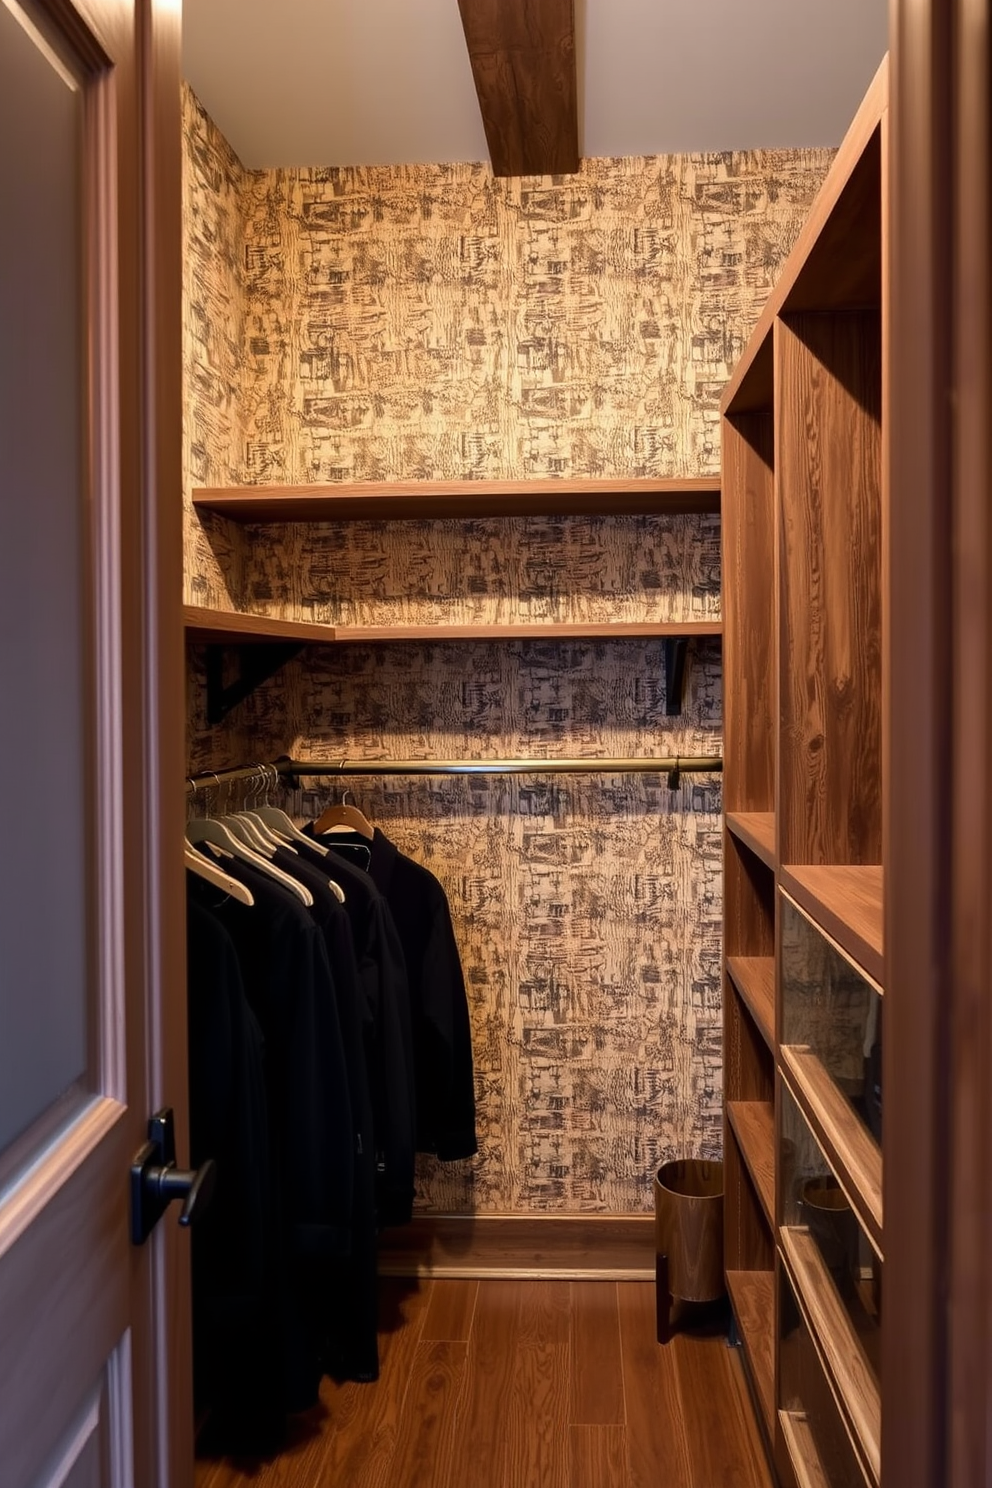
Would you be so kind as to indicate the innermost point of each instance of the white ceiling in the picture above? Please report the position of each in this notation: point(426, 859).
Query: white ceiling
point(387, 82)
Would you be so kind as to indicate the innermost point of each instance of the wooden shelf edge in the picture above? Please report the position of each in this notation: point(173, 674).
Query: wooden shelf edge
point(415, 500)
point(863, 126)
point(752, 1296)
point(805, 1459)
point(836, 1341)
point(848, 1146)
point(753, 1125)
point(846, 902)
point(754, 978)
point(232, 627)
point(756, 829)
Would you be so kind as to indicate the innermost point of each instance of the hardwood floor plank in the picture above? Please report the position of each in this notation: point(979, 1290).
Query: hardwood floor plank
point(656, 1446)
point(715, 1429)
point(449, 1316)
point(536, 1426)
point(365, 1419)
point(495, 1410)
point(545, 1314)
point(598, 1457)
point(424, 1443)
point(597, 1369)
point(484, 1406)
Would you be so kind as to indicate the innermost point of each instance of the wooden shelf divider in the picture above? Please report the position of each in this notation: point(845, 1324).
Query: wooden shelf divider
point(836, 1340)
point(753, 1124)
point(754, 978)
point(752, 1294)
point(846, 901)
point(417, 500)
point(850, 1148)
point(756, 829)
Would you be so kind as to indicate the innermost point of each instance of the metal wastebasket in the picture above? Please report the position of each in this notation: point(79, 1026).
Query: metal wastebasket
point(688, 1218)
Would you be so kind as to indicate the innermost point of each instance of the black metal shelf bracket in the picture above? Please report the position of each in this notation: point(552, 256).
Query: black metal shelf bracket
point(676, 648)
point(256, 664)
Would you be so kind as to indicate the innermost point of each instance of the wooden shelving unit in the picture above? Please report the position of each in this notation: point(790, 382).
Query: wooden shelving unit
point(418, 500)
point(804, 516)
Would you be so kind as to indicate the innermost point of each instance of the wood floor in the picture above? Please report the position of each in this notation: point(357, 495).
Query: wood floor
point(523, 1384)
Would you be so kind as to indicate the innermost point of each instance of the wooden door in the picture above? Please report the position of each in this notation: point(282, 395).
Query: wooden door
point(94, 1350)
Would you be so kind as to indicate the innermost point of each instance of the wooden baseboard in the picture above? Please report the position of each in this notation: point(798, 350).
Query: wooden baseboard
point(607, 1247)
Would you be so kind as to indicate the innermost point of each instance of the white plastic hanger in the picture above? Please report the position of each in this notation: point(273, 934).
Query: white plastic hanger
point(210, 829)
point(213, 874)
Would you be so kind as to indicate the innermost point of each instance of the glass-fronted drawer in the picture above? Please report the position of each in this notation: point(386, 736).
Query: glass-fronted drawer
point(836, 1271)
point(818, 1442)
point(831, 1050)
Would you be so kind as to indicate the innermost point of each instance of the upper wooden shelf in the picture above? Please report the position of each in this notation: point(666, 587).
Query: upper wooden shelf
point(846, 902)
point(756, 829)
point(393, 500)
point(233, 628)
point(836, 260)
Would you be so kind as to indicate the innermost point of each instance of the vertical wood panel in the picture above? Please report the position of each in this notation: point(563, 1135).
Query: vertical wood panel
point(828, 469)
point(749, 641)
point(970, 1301)
point(917, 1058)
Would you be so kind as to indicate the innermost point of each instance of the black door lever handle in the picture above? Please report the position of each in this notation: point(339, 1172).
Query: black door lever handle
point(195, 1186)
point(156, 1181)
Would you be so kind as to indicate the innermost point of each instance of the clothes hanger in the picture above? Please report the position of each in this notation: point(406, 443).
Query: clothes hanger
point(210, 829)
point(345, 818)
point(281, 816)
point(267, 831)
point(213, 874)
point(282, 823)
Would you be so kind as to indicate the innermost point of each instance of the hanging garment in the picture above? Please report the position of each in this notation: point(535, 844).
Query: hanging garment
point(235, 1243)
point(345, 1289)
point(391, 1074)
point(290, 988)
point(443, 1070)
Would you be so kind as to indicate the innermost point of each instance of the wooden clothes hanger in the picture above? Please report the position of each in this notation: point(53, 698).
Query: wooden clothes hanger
point(343, 817)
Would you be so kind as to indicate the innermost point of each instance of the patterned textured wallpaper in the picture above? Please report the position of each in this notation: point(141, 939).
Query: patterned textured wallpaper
point(213, 352)
point(431, 322)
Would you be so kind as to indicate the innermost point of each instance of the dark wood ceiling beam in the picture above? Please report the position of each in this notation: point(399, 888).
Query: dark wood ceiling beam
point(523, 61)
